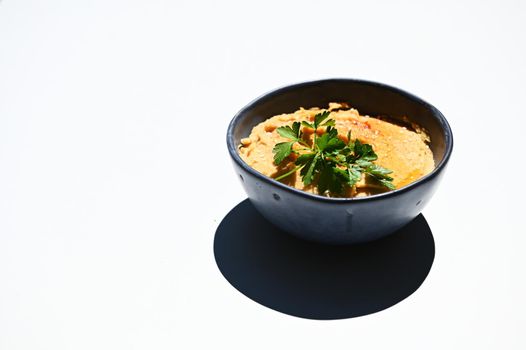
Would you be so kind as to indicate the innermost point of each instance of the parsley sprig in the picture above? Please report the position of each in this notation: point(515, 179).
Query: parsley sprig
point(330, 163)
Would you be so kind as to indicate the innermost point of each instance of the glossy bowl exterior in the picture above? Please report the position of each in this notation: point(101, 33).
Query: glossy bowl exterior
point(340, 220)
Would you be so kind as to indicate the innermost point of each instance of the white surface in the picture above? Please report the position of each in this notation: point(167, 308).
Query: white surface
point(107, 214)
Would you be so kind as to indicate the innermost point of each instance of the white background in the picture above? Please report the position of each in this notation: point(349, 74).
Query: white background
point(114, 172)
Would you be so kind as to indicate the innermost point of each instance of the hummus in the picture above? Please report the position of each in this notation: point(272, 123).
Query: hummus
point(401, 149)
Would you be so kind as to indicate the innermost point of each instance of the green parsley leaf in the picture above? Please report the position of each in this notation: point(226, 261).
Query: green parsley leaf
point(368, 153)
point(281, 151)
point(331, 179)
point(322, 141)
point(334, 144)
point(330, 122)
point(379, 171)
point(310, 167)
point(355, 175)
point(290, 133)
point(320, 117)
point(387, 183)
point(307, 124)
point(305, 158)
point(326, 177)
point(363, 163)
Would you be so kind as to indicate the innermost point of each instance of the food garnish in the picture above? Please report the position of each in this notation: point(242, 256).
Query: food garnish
point(327, 162)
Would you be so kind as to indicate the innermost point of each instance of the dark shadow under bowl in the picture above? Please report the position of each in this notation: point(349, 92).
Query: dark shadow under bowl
point(340, 220)
point(319, 281)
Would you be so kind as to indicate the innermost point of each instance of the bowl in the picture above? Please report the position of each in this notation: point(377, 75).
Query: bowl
point(340, 220)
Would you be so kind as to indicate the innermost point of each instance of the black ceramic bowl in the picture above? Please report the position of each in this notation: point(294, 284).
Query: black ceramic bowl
point(340, 220)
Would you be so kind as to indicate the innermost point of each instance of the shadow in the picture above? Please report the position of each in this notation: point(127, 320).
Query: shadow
point(315, 281)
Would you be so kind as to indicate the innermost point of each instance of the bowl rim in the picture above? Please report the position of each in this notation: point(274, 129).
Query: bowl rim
point(232, 148)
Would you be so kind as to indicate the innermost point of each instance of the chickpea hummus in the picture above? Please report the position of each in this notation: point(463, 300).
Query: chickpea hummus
point(403, 150)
